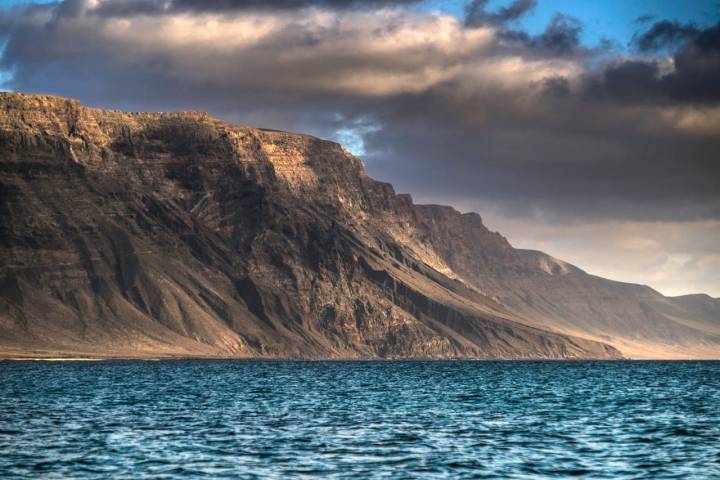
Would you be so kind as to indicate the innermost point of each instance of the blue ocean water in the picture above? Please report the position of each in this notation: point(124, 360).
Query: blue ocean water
point(278, 419)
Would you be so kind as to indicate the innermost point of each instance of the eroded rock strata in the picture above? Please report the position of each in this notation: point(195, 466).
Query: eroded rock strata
point(176, 234)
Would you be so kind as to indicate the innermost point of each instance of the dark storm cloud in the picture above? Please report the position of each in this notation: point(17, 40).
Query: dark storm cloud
point(556, 86)
point(476, 12)
point(694, 75)
point(447, 109)
point(664, 34)
point(573, 163)
point(562, 35)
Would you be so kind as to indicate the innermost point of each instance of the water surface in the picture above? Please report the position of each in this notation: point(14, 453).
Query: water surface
point(255, 419)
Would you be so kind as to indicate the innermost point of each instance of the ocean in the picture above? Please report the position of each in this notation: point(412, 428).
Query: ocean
point(376, 419)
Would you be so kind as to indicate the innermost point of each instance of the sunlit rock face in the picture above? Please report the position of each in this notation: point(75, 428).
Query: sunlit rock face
point(162, 234)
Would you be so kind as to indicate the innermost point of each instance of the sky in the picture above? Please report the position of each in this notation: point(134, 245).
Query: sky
point(588, 130)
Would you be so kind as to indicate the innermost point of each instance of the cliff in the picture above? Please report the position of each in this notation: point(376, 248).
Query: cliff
point(176, 234)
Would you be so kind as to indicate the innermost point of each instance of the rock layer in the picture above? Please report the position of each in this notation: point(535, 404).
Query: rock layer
point(176, 234)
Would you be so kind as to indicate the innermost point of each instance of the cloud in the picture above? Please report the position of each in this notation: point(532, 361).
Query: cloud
point(557, 86)
point(664, 34)
point(127, 8)
point(561, 35)
point(372, 53)
point(691, 75)
point(533, 125)
point(644, 18)
point(476, 12)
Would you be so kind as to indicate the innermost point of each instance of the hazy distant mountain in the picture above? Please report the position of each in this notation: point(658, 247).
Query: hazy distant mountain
point(142, 234)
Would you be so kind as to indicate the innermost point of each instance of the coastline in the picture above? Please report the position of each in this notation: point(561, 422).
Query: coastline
point(35, 357)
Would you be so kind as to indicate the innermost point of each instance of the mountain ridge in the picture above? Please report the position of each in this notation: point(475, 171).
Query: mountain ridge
point(183, 235)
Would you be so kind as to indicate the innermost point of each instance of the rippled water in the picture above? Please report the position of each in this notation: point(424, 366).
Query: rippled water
point(230, 419)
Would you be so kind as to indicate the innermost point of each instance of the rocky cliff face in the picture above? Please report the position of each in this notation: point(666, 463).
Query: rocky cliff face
point(155, 234)
point(555, 295)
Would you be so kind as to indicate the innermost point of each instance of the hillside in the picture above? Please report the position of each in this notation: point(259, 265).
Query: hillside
point(176, 234)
